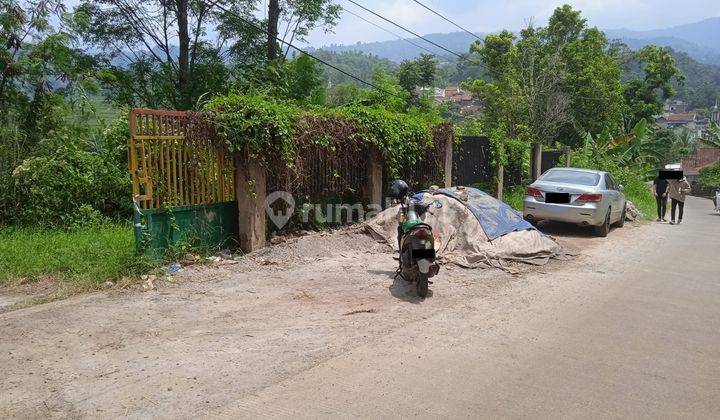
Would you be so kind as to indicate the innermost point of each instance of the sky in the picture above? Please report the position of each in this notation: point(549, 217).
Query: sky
point(493, 15)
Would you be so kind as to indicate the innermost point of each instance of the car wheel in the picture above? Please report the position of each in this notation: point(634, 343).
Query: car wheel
point(621, 222)
point(603, 230)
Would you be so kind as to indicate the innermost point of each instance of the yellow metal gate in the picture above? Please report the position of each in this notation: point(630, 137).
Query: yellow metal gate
point(175, 159)
point(183, 183)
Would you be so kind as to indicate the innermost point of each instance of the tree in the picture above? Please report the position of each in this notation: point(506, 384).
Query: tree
point(168, 53)
point(43, 74)
point(505, 117)
point(593, 83)
point(153, 48)
point(417, 73)
point(645, 98)
point(299, 17)
point(714, 135)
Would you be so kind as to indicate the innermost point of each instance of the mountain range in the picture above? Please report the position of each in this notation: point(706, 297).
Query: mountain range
point(700, 40)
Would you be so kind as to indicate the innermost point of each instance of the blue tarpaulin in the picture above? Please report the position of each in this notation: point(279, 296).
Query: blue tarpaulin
point(495, 217)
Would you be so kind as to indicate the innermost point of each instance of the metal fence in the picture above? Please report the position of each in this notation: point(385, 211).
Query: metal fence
point(319, 173)
point(550, 159)
point(472, 165)
point(175, 159)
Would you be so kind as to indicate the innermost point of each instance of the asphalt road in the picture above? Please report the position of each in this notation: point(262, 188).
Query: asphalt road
point(629, 330)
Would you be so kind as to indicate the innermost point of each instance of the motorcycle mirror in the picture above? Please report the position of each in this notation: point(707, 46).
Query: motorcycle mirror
point(437, 204)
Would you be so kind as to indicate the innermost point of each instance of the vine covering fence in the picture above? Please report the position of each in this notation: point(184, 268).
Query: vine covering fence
point(175, 159)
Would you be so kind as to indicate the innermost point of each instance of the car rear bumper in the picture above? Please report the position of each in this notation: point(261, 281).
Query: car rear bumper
point(586, 214)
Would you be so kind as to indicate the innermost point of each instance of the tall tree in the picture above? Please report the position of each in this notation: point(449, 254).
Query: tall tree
point(141, 38)
point(417, 73)
point(167, 52)
point(644, 98)
point(302, 16)
point(43, 73)
point(505, 116)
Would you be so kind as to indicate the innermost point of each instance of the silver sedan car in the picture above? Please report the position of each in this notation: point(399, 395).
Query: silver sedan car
point(580, 196)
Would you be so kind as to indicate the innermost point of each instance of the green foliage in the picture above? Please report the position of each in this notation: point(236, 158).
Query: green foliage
point(90, 255)
point(268, 128)
point(710, 176)
point(298, 79)
point(421, 72)
point(634, 181)
point(714, 132)
point(645, 98)
point(469, 126)
point(593, 85)
point(344, 94)
point(68, 187)
point(514, 197)
point(361, 65)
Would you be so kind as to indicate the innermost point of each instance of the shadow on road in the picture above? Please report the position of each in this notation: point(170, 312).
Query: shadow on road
point(406, 291)
point(567, 230)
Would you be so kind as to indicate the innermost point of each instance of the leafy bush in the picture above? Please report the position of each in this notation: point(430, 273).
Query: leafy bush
point(68, 187)
point(636, 186)
point(514, 197)
point(710, 176)
point(268, 129)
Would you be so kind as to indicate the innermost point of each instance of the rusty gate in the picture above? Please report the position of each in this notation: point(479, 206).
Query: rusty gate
point(182, 180)
point(175, 159)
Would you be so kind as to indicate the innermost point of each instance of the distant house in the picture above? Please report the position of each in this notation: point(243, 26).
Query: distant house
point(454, 94)
point(463, 99)
point(704, 156)
point(688, 121)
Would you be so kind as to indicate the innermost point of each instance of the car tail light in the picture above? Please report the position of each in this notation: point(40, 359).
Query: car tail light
point(534, 192)
point(590, 198)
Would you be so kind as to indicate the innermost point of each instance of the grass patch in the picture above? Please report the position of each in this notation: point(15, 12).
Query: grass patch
point(641, 195)
point(514, 197)
point(89, 256)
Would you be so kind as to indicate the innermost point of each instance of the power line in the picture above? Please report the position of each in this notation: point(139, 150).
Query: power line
point(407, 30)
point(448, 20)
point(352, 76)
point(389, 31)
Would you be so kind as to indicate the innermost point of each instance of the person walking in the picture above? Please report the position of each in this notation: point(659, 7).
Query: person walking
point(660, 190)
point(678, 189)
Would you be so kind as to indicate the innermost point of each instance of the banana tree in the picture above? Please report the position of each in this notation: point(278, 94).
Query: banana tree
point(714, 138)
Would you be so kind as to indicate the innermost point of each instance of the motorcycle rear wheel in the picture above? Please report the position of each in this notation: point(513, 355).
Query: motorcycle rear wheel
point(422, 285)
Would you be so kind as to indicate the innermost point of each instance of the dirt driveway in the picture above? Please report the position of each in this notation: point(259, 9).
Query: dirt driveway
point(219, 334)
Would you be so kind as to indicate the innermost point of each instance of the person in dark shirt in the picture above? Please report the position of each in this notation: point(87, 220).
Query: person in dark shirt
point(660, 190)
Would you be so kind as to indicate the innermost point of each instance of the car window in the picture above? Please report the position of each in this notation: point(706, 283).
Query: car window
point(609, 182)
point(568, 176)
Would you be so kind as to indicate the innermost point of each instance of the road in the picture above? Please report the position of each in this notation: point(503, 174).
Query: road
point(635, 333)
point(630, 328)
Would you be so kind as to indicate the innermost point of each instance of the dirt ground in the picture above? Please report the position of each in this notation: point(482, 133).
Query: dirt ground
point(218, 333)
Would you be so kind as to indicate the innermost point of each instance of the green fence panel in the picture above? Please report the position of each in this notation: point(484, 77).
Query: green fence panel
point(211, 226)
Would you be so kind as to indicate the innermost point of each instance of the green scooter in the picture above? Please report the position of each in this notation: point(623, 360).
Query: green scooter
point(415, 239)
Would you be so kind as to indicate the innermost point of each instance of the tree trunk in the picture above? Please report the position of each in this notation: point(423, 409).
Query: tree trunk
point(272, 30)
point(184, 54)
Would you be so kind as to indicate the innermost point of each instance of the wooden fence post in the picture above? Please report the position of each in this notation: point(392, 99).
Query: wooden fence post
point(537, 159)
point(373, 188)
point(568, 156)
point(250, 190)
point(448, 163)
point(500, 181)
